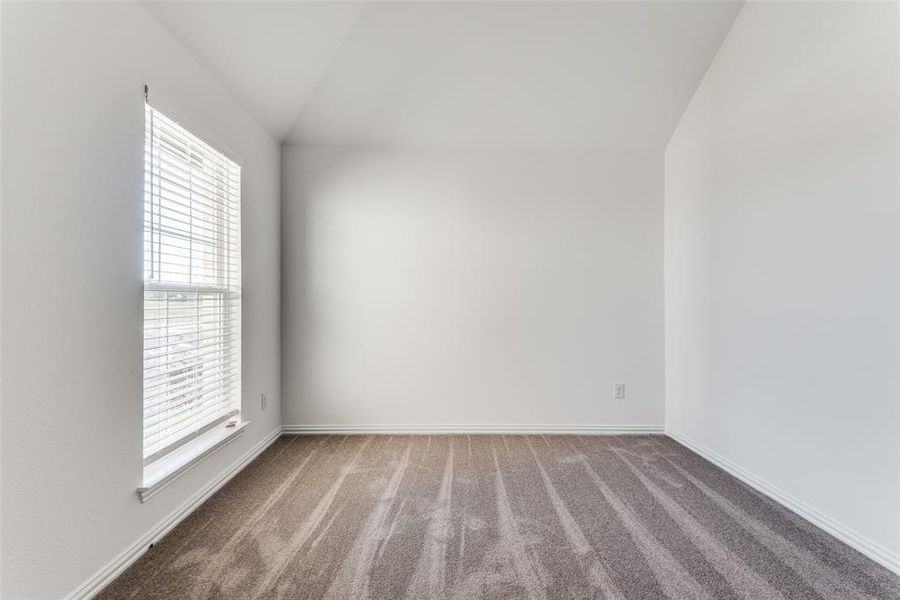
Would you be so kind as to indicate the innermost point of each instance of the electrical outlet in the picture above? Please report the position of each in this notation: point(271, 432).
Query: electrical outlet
point(619, 390)
point(263, 401)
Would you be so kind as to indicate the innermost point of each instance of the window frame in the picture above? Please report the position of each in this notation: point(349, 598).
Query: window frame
point(219, 210)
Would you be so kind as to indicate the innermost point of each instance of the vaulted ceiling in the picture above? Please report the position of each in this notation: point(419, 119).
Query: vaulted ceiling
point(611, 75)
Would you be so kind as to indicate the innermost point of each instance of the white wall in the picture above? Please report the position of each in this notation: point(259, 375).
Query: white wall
point(782, 260)
point(72, 205)
point(427, 287)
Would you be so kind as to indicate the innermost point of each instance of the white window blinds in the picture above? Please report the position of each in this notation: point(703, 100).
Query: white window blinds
point(192, 286)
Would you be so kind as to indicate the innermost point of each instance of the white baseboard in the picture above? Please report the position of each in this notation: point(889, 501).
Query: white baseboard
point(859, 542)
point(510, 429)
point(113, 568)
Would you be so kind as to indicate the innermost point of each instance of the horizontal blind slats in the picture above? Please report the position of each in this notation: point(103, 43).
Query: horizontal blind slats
point(165, 161)
point(164, 381)
point(176, 207)
point(172, 416)
point(222, 336)
point(192, 282)
point(211, 395)
point(171, 394)
point(178, 438)
point(154, 381)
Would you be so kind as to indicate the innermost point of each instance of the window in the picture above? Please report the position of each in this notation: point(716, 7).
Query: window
point(192, 287)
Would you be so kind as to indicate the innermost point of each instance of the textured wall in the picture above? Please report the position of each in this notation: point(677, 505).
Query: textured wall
point(782, 260)
point(73, 143)
point(467, 288)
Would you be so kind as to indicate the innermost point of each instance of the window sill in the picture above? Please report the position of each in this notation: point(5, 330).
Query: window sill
point(169, 468)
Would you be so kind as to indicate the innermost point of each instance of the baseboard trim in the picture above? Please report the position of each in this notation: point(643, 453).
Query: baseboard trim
point(859, 542)
point(113, 568)
point(510, 429)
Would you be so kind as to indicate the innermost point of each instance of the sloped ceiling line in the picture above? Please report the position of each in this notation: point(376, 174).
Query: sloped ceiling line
point(494, 75)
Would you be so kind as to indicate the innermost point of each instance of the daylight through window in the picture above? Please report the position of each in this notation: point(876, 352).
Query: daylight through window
point(192, 287)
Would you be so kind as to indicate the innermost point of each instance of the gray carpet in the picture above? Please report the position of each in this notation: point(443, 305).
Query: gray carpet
point(495, 517)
